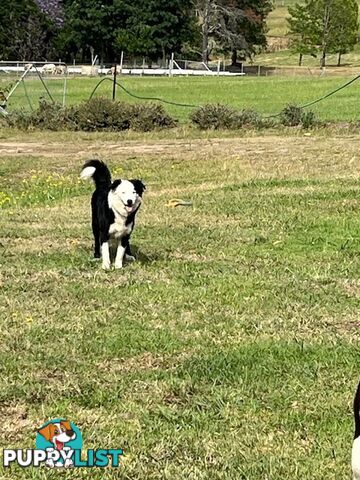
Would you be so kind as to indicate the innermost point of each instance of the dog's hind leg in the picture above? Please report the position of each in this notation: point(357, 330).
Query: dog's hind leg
point(105, 254)
point(105, 251)
point(96, 232)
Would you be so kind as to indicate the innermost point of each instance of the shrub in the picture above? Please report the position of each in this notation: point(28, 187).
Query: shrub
point(222, 117)
point(248, 117)
point(102, 114)
point(48, 116)
point(214, 116)
point(293, 115)
point(308, 119)
point(146, 117)
point(98, 114)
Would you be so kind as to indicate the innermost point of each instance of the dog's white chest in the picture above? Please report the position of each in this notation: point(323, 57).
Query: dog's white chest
point(119, 229)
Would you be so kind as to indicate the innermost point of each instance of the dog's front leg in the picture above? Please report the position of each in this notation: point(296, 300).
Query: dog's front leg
point(128, 255)
point(120, 252)
point(105, 254)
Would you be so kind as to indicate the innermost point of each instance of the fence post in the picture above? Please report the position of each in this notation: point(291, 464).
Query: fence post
point(143, 66)
point(171, 64)
point(218, 67)
point(114, 83)
point(121, 61)
point(259, 70)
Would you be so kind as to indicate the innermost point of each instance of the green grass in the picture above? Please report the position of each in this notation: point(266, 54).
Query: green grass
point(268, 95)
point(229, 350)
point(285, 58)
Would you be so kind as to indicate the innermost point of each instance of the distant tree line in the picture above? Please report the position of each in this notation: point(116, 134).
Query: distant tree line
point(320, 27)
point(74, 29)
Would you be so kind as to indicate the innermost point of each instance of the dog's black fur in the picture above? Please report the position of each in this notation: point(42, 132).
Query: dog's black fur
point(102, 215)
point(356, 407)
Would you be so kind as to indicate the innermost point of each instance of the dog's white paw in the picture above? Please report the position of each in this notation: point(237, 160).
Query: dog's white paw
point(130, 258)
point(118, 265)
point(50, 463)
point(68, 463)
point(106, 266)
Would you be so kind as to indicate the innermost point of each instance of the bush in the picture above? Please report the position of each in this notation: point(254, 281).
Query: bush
point(293, 115)
point(222, 117)
point(146, 117)
point(214, 116)
point(248, 117)
point(98, 114)
point(102, 114)
point(48, 116)
point(308, 119)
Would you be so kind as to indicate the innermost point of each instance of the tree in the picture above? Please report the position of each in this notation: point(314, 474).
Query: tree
point(346, 28)
point(237, 26)
point(26, 32)
point(155, 28)
point(301, 31)
point(327, 26)
point(89, 24)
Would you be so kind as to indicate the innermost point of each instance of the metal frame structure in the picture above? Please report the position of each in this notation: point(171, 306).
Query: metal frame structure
point(26, 68)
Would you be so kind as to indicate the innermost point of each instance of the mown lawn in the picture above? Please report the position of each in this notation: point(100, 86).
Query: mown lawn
point(229, 350)
point(268, 95)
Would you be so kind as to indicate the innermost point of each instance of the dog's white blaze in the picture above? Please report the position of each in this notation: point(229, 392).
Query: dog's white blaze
point(118, 198)
point(87, 172)
point(355, 459)
point(105, 253)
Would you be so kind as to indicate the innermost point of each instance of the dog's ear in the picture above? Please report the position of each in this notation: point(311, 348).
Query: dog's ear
point(48, 431)
point(66, 424)
point(139, 186)
point(115, 184)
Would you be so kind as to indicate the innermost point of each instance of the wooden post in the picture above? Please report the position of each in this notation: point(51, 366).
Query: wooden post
point(121, 61)
point(114, 83)
point(171, 64)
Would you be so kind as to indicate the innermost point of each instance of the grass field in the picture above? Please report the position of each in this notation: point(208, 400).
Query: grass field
point(229, 350)
point(285, 58)
point(268, 95)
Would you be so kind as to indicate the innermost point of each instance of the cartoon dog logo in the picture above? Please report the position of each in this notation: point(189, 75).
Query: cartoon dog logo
point(58, 434)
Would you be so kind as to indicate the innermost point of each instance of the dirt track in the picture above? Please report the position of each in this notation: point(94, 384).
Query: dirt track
point(234, 146)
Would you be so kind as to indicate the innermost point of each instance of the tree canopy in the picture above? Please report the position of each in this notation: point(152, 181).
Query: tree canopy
point(323, 26)
point(236, 26)
point(74, 29)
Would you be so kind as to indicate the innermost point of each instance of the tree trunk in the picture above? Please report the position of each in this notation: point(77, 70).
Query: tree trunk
point(234, 58)
point(339, 60)
point(323, 59)
point(205, 32)
point(300, 59)
point(325, 34)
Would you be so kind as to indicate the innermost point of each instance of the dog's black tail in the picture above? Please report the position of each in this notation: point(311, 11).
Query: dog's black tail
point(98, 171)
point(357, 411)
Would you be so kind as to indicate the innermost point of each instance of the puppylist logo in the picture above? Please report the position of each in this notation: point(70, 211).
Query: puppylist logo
point(59, 445)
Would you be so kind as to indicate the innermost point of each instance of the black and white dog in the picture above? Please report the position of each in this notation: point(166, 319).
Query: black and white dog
point(114, 207)
point(355, 456)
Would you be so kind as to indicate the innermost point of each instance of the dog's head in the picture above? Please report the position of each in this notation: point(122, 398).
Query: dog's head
point(126, 195)
point(58, 433)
